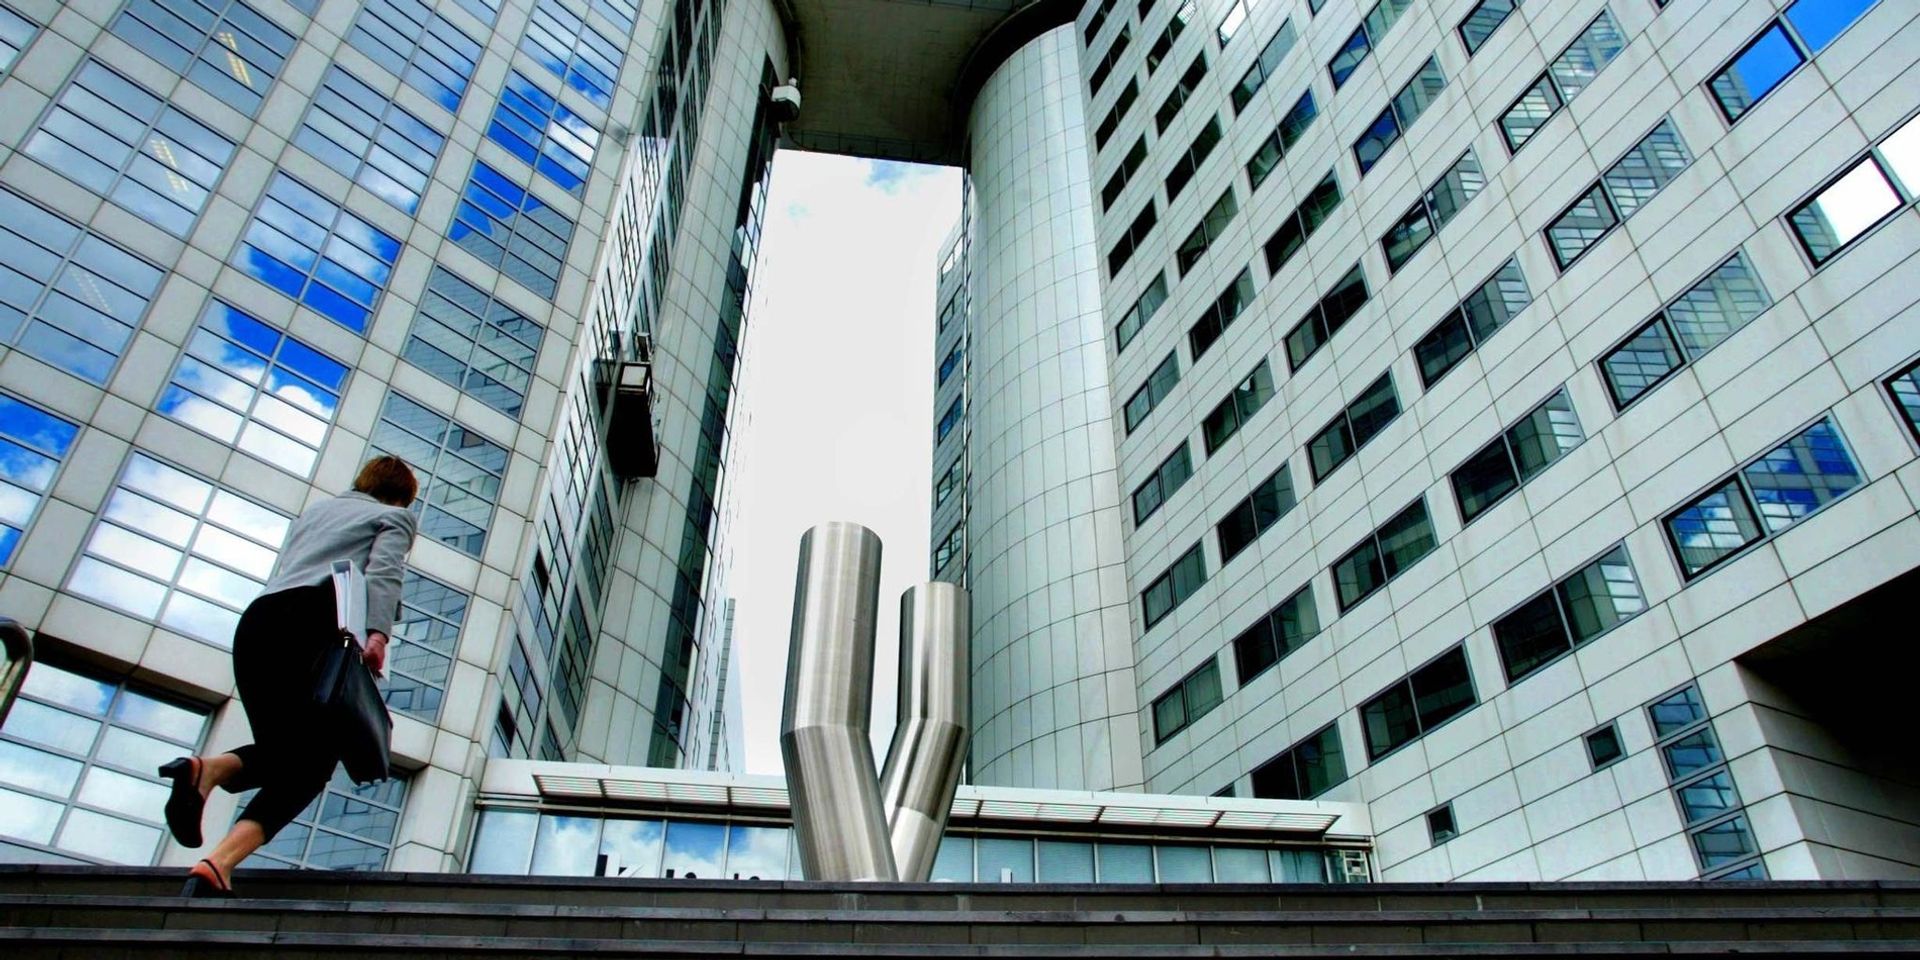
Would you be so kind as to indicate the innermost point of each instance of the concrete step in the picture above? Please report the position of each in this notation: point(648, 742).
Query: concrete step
point(108, 912)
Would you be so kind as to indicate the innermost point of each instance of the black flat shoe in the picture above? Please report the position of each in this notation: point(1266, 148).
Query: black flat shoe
point(205, 883)
point(184, 804)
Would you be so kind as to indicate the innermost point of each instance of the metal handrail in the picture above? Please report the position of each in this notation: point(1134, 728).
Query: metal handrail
point(19, 646)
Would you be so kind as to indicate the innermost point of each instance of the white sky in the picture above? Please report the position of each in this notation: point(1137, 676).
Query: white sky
point(839, 389)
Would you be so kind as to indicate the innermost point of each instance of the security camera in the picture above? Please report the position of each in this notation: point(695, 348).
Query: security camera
point(785, 101)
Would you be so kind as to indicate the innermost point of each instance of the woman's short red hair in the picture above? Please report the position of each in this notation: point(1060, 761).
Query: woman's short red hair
point(387, 479)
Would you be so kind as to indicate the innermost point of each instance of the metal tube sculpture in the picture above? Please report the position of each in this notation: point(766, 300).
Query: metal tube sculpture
point(829, 700)
point(930, 733)
point(851, 825)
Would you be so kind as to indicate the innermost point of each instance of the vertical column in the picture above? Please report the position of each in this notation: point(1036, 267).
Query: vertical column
point(1054, 702)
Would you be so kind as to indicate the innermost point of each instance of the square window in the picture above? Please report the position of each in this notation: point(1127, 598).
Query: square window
point(1603, 746)
point(1440, 826)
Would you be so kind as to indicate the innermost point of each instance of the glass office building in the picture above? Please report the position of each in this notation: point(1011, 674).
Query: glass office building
point(1499, 419)
point(1499, 415)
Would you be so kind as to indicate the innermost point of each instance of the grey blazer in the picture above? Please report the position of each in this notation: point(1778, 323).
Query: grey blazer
point(351, 526)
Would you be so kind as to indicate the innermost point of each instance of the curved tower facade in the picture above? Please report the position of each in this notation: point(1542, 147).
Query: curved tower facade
point(1052, 646)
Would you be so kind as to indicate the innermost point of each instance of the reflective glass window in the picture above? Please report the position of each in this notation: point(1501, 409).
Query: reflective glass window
point(1221, 313)
point(1418, 703)
point(1384, 554)
point(1817, 22)
point(1725, 842)
point(1264, 66)
point(1778, 489)
point(1212, 224)
point(1270, 500)
point(1004, 859)
point(77, 761)
point(533, 125)
point(629, 848)
point(694, 850)
point(1189, 163)
point(1407, 236)
point(503, 841)
point(225, 47)
point(1159, 488)
point(1529, 113)
point(579, 54)
point(1652, 163)
point(252, 387)
point(1677, 711)
point(1459, 185)
point(954, 861)
point(370, 139)
point(1582, 60)
point(1904, 387)
point(1278, 632)
point(423, 48)
point(509, 228)
point(1807, 472)
point(1142, 311)
point(1365, 417)
point(1226, 418)
point(178, 550)
point(1481, 21)
point(1375, 139)
point(16, 32)
point(1125, 862)
point(1298, 118)
point(67, 296)
point(474, 341)
point(1844, 209)
point(33, 442)
point(1181, 863)
point(1587, 603)
point(426, 634)
point(1172, 587)
point(123, 142)
point(1104, 68)
point(1065, 862)
point(1137, 232)
point(347, 827)
point(459, 470)
point(1187, 701)
point(1172, 31)
point(1712, 528)
point(1136, 155)
point(1707, 797)
point(1755, 71)
point(948, 421)
point(1111, 121)
point(757, 853)
point(318, 253)
point(1582, 225)
point(1240, 865)
point(1305, 770)
point(1349, 57)
point(1159, 383)
point(1298, 866)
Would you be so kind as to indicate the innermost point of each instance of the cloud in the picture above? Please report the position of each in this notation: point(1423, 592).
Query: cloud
point(888, 176)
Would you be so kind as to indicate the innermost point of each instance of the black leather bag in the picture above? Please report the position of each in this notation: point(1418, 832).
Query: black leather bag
point(353, 713)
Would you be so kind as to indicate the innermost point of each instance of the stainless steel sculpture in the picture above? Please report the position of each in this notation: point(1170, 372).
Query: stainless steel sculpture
point(930, 736)
point(823, 725)
point(838, 815)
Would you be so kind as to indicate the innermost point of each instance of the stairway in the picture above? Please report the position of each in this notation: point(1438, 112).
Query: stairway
point(106, 912)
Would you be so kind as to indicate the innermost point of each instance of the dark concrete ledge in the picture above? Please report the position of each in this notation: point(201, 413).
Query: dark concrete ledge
point(59, 911)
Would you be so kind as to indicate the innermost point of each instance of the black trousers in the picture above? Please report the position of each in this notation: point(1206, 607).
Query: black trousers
point(280, 638)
